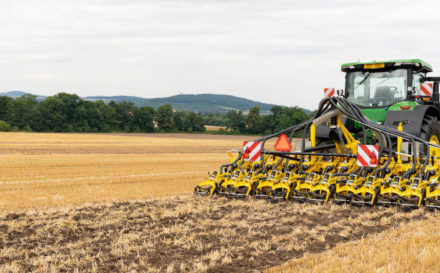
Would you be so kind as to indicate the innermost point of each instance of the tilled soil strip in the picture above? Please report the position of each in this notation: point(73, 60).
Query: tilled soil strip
point(182, 234)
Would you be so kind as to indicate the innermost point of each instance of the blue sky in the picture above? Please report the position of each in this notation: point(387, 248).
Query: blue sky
point(282, 52)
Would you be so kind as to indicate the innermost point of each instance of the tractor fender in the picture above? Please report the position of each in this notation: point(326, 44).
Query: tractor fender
point(411, 120)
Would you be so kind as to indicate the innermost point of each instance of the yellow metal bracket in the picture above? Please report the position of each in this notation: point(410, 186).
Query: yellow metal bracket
point(399, 144)
point(351, 141)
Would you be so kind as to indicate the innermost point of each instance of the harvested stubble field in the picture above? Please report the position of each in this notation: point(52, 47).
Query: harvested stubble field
point(47, 170)
point(121, 203)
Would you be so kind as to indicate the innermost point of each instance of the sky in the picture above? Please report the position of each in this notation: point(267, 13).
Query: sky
point(279, 51)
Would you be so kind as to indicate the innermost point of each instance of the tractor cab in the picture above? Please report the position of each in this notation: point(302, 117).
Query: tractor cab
point(396, 85)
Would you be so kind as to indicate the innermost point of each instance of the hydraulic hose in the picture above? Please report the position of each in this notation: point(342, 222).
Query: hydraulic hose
point(231, 164)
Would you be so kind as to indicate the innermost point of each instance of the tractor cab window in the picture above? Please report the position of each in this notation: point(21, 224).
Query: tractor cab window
point(416, 81)
point(377, 89)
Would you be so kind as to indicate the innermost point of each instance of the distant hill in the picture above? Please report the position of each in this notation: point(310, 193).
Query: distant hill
point(16, 94)
point(202, 103)
point(13, 94)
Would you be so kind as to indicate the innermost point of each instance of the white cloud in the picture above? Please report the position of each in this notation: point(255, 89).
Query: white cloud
point(278, 51)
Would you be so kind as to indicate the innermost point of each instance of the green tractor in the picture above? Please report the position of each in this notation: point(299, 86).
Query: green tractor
point(392, 93)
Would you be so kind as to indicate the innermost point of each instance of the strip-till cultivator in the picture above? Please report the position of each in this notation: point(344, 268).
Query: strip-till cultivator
point(342, 157)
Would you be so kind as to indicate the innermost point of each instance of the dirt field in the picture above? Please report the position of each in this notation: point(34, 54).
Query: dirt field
point(182, 234)
point(408, 248)
point(122, 203)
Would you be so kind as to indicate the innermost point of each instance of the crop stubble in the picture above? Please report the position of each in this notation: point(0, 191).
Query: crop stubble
point(47, 170)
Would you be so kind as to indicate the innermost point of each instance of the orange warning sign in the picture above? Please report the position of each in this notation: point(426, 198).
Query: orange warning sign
point(283, 144)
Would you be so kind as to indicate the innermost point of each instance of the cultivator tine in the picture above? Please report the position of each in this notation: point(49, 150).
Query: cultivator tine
point(432, 199)
point(281, 189)
point(320, 192)
point(412, 194)
point(209, 186)
point(264, 187)
point(390, 192)
point(367, 192)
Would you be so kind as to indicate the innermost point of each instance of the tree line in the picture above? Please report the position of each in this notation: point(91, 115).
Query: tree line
point(65, 112)
point(69, 113)
point(254, 123)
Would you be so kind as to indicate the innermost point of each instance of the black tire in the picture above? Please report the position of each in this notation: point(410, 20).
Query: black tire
point(430, 127)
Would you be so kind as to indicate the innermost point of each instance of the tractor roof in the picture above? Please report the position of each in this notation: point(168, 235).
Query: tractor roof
point(387, 64)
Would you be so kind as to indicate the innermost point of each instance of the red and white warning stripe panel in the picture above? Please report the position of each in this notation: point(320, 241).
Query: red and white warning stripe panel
point(367, 155)
point(427, 89)
point(329, 92)
point(252, 151)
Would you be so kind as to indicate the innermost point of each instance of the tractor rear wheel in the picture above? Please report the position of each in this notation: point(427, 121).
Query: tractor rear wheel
point(430, 131)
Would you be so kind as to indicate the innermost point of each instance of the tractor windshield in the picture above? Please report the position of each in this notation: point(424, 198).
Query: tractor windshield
point(377, 89)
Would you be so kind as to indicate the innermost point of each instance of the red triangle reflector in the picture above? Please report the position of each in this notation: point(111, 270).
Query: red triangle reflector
point(283, 144)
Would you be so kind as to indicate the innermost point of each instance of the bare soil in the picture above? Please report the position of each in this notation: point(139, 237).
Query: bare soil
point(182, 234)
